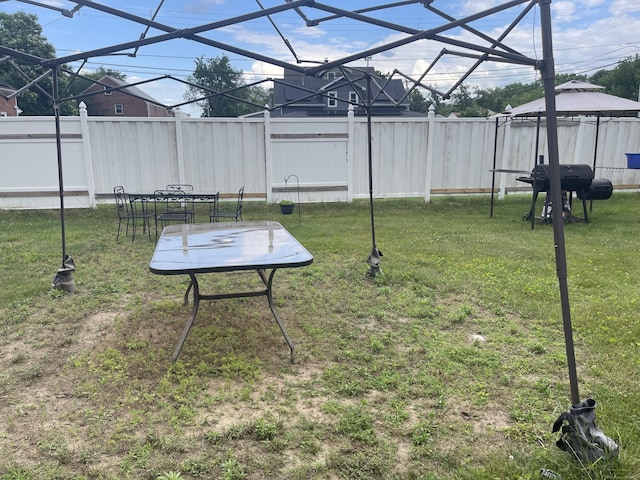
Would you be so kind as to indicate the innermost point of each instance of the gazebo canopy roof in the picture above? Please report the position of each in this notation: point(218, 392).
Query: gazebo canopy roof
point(579, 98)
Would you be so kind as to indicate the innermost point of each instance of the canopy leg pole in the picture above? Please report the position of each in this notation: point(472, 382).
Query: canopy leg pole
point(547, 69)
point(493, 171)
point(595, 155)
point(374, 257)
point(63, 279)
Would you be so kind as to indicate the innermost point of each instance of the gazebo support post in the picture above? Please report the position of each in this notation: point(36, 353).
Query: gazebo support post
point(595, 154)
point(373, 260)
point(493, 170)
point(63, 279)
point(547, 70)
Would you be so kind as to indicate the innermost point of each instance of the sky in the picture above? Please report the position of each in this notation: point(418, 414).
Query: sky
point(588, 35)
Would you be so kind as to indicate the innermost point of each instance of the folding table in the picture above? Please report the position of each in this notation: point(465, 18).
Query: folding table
point(200, 248)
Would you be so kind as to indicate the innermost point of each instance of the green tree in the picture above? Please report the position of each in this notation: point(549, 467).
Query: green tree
point(565, 77)
point(417, 102)
point(440, 106)
point(464, 101)
point(496, 99)
point(216, 75)
point(21, 31)
point(623, 80)
point(516, 94)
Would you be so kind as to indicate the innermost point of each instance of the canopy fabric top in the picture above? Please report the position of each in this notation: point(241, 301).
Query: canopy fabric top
point(579, 98)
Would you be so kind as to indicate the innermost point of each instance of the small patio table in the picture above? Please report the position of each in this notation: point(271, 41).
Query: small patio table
point(143, 199)
point(197, 248)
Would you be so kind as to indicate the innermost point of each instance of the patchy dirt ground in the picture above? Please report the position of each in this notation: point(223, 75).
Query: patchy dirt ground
point(86, 395)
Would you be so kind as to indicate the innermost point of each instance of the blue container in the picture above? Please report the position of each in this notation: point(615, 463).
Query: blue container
point(633, 160)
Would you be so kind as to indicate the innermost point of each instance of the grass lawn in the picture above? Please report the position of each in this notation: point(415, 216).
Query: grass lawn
point(449, 365)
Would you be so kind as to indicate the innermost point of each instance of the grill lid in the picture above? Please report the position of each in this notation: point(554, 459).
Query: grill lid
point(573, 177)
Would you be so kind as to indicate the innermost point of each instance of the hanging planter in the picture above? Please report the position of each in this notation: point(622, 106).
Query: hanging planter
point(286, 207)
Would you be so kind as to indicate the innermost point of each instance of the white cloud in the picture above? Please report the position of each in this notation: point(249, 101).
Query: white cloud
point(261, 70)
point(564, 11)
point(304, 49)
point(308, 32)
point(469, 7)
point(624, 7)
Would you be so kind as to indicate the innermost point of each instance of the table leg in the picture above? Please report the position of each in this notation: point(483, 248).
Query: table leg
point(269, 283)
point(193, 285)
point(192, 317)
point(186, 294)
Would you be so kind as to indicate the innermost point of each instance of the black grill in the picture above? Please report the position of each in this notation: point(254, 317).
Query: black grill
point(573, 178)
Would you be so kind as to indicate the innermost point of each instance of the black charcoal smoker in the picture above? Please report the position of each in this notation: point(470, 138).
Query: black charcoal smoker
point(576, 178)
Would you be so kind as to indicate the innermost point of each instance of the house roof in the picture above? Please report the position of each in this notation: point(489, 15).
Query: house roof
point(393, 90)
point(299, 86)
point(108, 79)
point(6, 88)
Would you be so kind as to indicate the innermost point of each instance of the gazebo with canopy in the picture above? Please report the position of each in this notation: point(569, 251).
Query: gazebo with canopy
point(487, 48)
point(579, 98)
point(576, 98)
point(573, 98)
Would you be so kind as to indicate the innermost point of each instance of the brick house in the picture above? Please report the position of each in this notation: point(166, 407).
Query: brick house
point(106, 102)
point(8, 108)
point(336, 94)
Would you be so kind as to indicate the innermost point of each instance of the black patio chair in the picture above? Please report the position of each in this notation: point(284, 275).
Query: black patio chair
point(186, 188)
point(236, 214)
point(171, 206)
point(128, 211)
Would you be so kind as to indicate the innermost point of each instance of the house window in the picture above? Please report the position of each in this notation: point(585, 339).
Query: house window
point(353, 97)
point(331, 75)
point(119, 109)
point(332, 101)
point(107, 91)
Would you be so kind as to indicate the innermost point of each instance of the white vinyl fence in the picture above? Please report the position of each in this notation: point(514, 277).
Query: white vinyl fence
point(327, 159)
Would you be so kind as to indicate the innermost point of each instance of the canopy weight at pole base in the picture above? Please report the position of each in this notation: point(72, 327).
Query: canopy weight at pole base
point(64, 279)
point(374, 262)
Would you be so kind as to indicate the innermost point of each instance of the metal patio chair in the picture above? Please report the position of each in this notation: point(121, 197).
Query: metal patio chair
point(186, 188)
point(128, 211)
point(171, 206)
point(236, 214)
